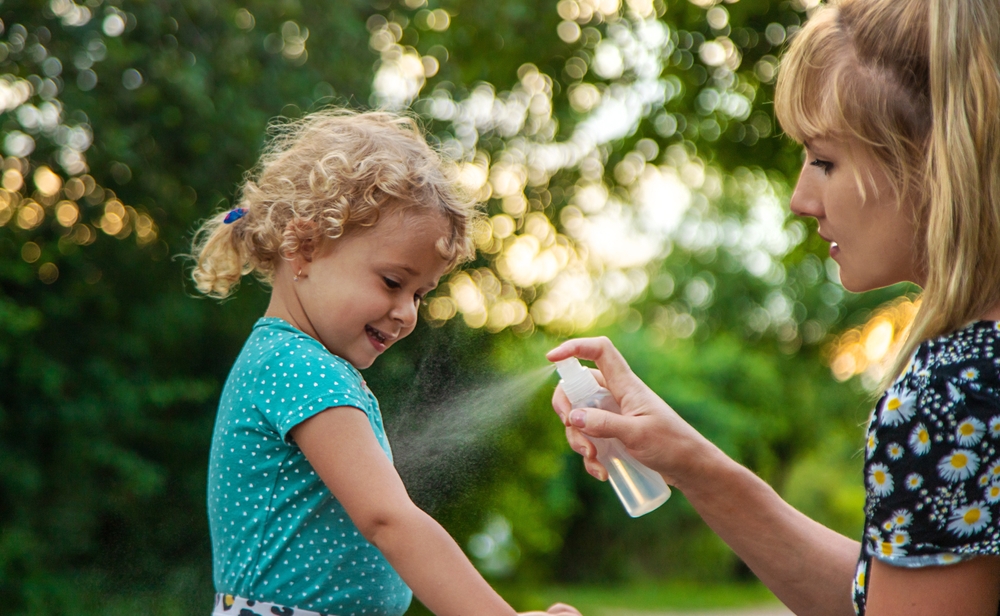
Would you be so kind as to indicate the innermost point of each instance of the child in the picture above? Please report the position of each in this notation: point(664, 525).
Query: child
point(352, 220)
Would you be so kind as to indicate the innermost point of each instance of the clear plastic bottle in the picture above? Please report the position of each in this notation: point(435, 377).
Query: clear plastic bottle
point(639, 488)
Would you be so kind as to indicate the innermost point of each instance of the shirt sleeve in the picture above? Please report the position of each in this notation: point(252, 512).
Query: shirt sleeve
point(932, 471)
point(301, 379)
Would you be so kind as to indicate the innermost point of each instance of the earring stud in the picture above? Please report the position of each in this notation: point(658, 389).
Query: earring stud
point(297, 276)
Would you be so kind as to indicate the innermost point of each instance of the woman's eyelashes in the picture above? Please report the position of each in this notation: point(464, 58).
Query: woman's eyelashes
point(825, 165)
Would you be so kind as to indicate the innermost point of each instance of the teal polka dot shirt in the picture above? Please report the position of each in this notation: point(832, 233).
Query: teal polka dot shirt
point(278, 534)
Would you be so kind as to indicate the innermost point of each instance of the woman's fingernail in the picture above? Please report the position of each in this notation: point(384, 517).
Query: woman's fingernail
point(578, 418)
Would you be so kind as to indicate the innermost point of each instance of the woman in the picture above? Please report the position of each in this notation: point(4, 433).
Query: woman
point(897, 103)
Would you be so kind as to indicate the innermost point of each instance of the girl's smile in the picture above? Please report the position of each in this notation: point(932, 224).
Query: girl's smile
point(360, 293)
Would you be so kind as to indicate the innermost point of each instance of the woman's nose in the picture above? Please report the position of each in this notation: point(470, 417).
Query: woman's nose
point(805, 201)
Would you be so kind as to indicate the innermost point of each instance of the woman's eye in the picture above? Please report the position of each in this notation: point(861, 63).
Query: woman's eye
point(825, 165)
point(392, 284)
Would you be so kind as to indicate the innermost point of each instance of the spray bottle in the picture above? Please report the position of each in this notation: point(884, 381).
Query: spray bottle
point(639, 488)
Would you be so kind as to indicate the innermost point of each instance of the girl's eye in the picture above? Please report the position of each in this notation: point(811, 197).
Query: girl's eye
point(392, 284)
point(825, 165)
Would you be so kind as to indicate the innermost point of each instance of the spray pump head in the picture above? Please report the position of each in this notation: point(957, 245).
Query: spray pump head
point(577, 381)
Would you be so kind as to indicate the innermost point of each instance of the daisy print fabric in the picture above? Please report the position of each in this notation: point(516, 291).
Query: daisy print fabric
point(932, 467)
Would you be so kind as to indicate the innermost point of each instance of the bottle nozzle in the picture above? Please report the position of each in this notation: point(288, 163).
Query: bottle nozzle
point(577, 381)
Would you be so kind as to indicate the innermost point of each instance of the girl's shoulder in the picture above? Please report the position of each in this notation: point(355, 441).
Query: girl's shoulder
point(276, 342)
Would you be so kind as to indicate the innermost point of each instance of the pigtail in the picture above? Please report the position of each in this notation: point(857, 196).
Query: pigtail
point(221, 256)
point(963, 169)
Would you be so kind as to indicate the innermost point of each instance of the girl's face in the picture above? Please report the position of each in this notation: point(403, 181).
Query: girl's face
point(360, 293)
point(873, 237)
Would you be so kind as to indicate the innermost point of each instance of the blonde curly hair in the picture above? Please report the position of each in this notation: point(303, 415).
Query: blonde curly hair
point(320, 177)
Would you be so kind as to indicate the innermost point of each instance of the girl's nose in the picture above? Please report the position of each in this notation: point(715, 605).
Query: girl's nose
point(405, 312)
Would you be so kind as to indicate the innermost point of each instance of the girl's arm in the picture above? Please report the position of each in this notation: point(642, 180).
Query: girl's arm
point(340, 445)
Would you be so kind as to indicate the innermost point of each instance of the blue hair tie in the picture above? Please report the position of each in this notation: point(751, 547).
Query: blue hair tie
point(235, 214)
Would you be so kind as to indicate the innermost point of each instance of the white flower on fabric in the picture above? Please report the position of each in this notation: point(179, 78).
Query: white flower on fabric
point(914, 481)
point(984, 479)
point(959, 465)
point(954, 393)
point(871, 444)
point(995, 426)
point(859, 576)
point(970, 374)
point(970, 431)
point(994, 469)
point(920, 440)
point(900, 538)
point(993, 494)
point(948, 559)
point(898, 406)
point(889, 550)
point(901, 518)
point(970, 519)
point(894, 451)
point(880, 479)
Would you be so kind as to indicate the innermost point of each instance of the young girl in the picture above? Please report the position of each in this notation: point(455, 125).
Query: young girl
point(896, 102)
point(352, 220)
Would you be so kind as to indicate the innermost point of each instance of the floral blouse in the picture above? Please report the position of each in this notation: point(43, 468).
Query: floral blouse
point(932, 468)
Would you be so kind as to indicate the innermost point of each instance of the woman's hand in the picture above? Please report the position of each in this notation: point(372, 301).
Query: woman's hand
point(651, 431)
point(559, 609)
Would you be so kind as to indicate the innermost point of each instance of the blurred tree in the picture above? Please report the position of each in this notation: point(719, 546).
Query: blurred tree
point(628, 158)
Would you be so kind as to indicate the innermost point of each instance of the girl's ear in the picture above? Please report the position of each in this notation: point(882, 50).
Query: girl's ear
point(300, 240)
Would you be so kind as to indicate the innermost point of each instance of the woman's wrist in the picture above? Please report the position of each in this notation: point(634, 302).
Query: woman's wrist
point(703, 465)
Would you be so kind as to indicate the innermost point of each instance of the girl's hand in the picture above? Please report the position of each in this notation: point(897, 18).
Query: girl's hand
point(560, 609)
point(651, 431)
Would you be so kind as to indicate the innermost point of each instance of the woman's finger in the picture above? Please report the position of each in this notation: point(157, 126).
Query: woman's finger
point(562, 608)
point(561, 404)
point(601, 351)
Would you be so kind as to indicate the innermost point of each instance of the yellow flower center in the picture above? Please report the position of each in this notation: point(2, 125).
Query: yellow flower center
point(893, 404)
point(923, 436)
point(886, 548)
point(971, 516)
point(861, 579)
point(899, 539)
point(879, 476)
point(959, 460)
point(967, 429)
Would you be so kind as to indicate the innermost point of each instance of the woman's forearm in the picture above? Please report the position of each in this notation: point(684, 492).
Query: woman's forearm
point(809, 567)
point(434, 567)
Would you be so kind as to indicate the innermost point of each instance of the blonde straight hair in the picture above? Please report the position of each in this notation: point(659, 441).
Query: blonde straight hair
point(914, 85)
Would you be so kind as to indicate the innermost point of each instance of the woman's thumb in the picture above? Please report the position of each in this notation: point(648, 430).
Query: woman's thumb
point(600, 423)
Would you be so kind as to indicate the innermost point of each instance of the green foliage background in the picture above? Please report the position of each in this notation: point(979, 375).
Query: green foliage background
point(109, 375)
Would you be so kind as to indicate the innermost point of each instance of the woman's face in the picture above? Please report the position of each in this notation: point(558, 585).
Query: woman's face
point(873, 236)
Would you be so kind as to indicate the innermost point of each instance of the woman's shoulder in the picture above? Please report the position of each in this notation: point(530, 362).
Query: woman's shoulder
point(968, 355)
